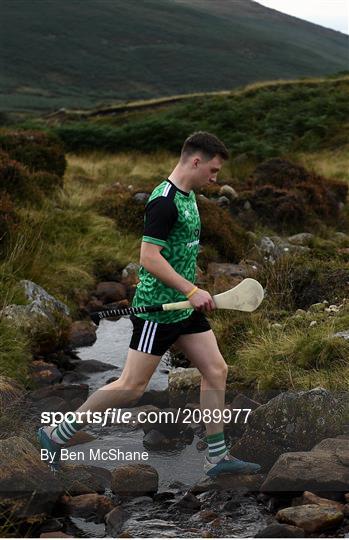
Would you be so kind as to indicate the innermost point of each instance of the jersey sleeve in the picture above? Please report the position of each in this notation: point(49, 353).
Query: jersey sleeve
point(160, 216)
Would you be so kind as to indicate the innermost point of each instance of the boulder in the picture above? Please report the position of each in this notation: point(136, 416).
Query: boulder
point(309, 471)
point(183, 386)
point(237, 482)
point(114, 521)
point(92, 507)
point(279, 530)
point(27, 486)
point(82, 334)
point(82, 479)
point(290, 422)
point(44, 373)
point(110, 291)
point(68, 392)
point(129, 276)
point(311, 498)
point(310, 517)
point(229, 192)
point(134, 479)
point(93, 366)
point(301, 239)
point(41, 301)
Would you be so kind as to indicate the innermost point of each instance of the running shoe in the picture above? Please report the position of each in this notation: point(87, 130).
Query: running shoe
point(46, 443)
point(230, 465)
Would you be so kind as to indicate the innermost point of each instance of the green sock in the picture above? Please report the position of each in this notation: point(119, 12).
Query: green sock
point(64, 431)
point(216, 447)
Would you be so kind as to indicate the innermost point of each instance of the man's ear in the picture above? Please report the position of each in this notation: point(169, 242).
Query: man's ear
point(196, 162)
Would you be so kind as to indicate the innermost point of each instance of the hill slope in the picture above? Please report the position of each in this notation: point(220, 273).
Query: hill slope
point(79, 53)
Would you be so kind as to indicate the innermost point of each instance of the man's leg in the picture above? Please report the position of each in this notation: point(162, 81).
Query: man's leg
point(135, 376)
point(202, 350)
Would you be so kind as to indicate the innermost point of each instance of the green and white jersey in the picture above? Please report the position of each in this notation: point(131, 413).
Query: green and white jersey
point(171, 220)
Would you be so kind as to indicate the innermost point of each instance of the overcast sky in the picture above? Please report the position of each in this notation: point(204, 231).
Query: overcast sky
point(329, 13)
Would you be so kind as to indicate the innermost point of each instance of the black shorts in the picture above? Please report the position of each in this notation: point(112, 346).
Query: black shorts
point(155, 338)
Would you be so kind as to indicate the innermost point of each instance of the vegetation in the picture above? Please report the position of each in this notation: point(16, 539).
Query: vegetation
point(109, 57)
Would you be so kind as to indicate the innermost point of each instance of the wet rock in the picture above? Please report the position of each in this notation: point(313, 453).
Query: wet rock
point(204, 516)
point(188, 501)
point(229, 192)
point(308, 471)
point(168, 424)
point(278, 530)
point(310, 517)
point(91, 507)
point(158, 398)
point(27, 486)
point(71, 377)
point(114, 521)
point(301, 239)
point(239, 482)
point(51, 404)
point(43, 373)
point(183, 386)
point(82, 479)
point(82, 334)
point(156, 440)
point(11, 392)
point(94, 366)
point(311, 498)
point(67, 392)
point(291, 421)
point(110, 291)
point(134, 479)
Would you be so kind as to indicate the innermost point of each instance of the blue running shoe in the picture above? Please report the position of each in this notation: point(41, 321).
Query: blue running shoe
point(54, 449)
point(230, 465)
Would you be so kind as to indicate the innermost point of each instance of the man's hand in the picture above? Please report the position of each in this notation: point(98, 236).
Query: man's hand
point(202, 301)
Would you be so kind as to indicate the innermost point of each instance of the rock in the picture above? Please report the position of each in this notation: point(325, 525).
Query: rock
point(278, 530)
point(335, 446)
point(82, 334)
point(229, 192)
point(11, 391)
point(41, 300)
point(91, 506)
point(82, 479)
point(51, 404)
point(274, 247)
point(110, 291)
point(317, 308)
point(141, 198)
point(347, 497)
point(94, 366)
point(344, 335)
point(27, 486)
point(307, 471)
point(239, 482)
point(138, 478)
point(290, 422)
point(114, 521)
point(228, 269)
point(44, 373)
point(311, 498)
point(223, 201)
point(310, 517)
point(188, 501)
point(55, 534)
point(129, 276)
point(204, 516)
point(155, 439)
point(183, 386)
point(301, 239)
point(240, 402)
point(166, 423)
point(67, 392)
point(158, 398)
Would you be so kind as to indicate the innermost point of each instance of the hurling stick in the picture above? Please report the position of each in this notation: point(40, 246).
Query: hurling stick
point(246, 296)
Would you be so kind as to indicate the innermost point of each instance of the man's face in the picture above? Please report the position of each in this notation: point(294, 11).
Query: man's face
point(205, 171)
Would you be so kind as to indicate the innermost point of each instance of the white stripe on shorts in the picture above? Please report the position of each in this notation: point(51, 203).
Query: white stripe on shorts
point(147, 337)
point(139, 348)
point(152, 338)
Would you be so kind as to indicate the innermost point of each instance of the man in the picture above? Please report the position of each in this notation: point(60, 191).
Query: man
point(169, 250)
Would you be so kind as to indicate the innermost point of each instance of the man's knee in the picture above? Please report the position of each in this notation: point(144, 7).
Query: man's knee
point(216, 371)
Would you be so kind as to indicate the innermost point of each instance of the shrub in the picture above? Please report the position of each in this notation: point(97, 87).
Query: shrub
point(15, 179)
point(46, 182)
point(8, 221)
point(14, 352)
point(287, 196)
point(37, 150)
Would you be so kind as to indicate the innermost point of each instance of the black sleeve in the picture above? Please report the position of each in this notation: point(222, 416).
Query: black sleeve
point(160, 216)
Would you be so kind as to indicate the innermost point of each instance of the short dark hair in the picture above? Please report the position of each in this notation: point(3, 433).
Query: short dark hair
point(206, 143)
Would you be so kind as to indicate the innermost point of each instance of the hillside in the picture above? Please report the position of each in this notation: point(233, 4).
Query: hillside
point(83, 53)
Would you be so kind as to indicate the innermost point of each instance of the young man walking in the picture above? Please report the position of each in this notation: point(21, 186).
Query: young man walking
point(168, 256)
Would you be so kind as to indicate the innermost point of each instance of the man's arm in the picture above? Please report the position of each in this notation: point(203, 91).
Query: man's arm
point(152, 260)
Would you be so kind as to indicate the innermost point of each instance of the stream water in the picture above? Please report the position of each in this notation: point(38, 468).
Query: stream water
point(183, 465)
